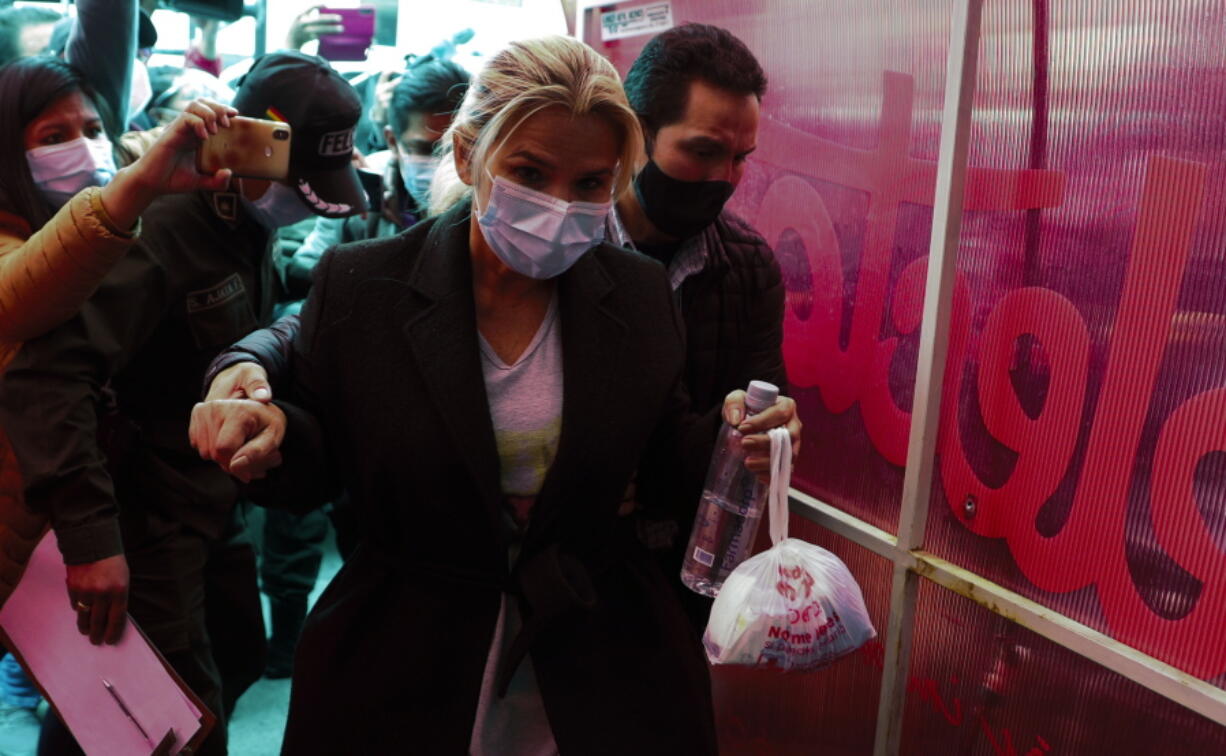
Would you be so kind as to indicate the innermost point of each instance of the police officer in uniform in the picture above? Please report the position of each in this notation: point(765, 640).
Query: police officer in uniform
point(97, 409)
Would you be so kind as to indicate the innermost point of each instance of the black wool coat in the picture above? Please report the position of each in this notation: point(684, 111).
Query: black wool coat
point(388, 401)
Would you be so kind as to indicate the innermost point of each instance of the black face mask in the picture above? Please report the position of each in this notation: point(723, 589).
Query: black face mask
point(679, 208)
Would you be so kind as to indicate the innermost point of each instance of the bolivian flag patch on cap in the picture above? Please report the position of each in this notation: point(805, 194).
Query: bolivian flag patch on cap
point(275, 115)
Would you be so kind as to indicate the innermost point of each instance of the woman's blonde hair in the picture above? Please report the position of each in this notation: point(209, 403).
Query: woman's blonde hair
point(521, 80)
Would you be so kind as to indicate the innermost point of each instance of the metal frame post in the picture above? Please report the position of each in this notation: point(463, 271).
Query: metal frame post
point(961, 67)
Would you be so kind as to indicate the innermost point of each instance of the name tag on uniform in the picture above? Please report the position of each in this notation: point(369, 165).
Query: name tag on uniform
point(207, 299)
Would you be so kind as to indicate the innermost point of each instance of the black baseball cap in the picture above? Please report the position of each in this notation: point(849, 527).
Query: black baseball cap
point(322, 110)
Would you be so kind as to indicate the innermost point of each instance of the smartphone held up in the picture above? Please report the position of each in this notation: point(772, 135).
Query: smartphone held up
point(357, 32)
point(250, 148)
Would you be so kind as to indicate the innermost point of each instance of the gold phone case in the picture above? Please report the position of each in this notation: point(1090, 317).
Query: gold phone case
point(250, 147)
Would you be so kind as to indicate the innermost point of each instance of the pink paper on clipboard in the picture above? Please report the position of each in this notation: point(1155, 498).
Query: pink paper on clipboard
point(71, 671)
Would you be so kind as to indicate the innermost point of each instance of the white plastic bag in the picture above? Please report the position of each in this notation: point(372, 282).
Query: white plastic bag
point(794, 606)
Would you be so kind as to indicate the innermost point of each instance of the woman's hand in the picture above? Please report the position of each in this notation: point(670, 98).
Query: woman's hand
point(170, 164)
point(98, 592)
point(242, 380)
point(242, 436)
point(756, 443)
point(310, 25)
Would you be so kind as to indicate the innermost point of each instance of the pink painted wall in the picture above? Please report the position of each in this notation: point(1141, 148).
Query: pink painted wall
point(1082, 456)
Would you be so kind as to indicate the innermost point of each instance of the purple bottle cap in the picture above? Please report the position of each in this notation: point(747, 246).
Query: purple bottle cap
point(760, 395)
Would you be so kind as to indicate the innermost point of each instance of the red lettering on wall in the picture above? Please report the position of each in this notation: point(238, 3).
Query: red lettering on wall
point(811, 347)
point(1090, 547)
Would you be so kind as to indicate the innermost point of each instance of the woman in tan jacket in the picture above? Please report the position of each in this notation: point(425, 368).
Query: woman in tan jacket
point(66, 214)
point(66, 217)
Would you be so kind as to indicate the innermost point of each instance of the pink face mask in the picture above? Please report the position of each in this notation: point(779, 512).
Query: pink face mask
point(62, 170)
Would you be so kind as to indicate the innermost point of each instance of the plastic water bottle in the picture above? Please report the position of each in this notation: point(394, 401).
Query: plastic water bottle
point(731, 507)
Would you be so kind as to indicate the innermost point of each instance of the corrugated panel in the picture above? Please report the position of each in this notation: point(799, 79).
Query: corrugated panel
point(831, 711)
point(1082, 445)
point(982, 686)
point(1083, 452)
point(841, 185)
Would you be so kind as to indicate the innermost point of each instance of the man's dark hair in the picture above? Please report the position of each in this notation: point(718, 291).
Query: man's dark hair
point(13, 21)
point(27, 87)
point(658, 82)
point(434, 87)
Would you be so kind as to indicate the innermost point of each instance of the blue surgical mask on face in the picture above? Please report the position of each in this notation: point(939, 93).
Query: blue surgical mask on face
point(279, 206)
point(417, 171)
point(62, 170)
point(538, 235)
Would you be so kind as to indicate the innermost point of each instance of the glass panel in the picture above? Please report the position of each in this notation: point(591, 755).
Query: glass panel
point(981, 685)
point(831, 711)
point(841, 186)
point(1084, 437)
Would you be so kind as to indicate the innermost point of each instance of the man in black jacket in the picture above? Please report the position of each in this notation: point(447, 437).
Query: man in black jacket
point(97, 409)
point(697, 91)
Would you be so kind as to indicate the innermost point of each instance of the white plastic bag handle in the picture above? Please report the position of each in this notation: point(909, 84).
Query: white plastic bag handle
point(781, 482)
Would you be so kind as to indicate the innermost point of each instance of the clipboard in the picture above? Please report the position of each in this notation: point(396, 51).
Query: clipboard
point(116, 700)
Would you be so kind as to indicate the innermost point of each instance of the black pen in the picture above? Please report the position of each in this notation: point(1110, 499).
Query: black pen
point(122, 707)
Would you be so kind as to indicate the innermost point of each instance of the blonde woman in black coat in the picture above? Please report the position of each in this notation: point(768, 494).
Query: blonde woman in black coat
point(485, 386)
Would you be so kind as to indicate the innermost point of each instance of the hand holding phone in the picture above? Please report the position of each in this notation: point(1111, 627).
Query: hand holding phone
point(250, 148)
point(357, 31)
point(169, 165)
point(311, 25)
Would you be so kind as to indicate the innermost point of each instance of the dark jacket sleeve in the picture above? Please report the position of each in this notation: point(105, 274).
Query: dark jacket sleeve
point(51, 399)
point(307, 477)
point(766, 300)
point(272, 347)
point(761, 291)
point(673, 469)
point(103, 45)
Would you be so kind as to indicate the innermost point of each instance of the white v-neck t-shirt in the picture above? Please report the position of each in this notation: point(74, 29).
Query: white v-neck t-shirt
point(526, 409)
point(526, 406)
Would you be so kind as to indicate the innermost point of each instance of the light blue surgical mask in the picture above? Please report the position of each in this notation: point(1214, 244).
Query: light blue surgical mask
point(538, 235)
point(417, 171)
point(62, 170)
point(279, 206)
